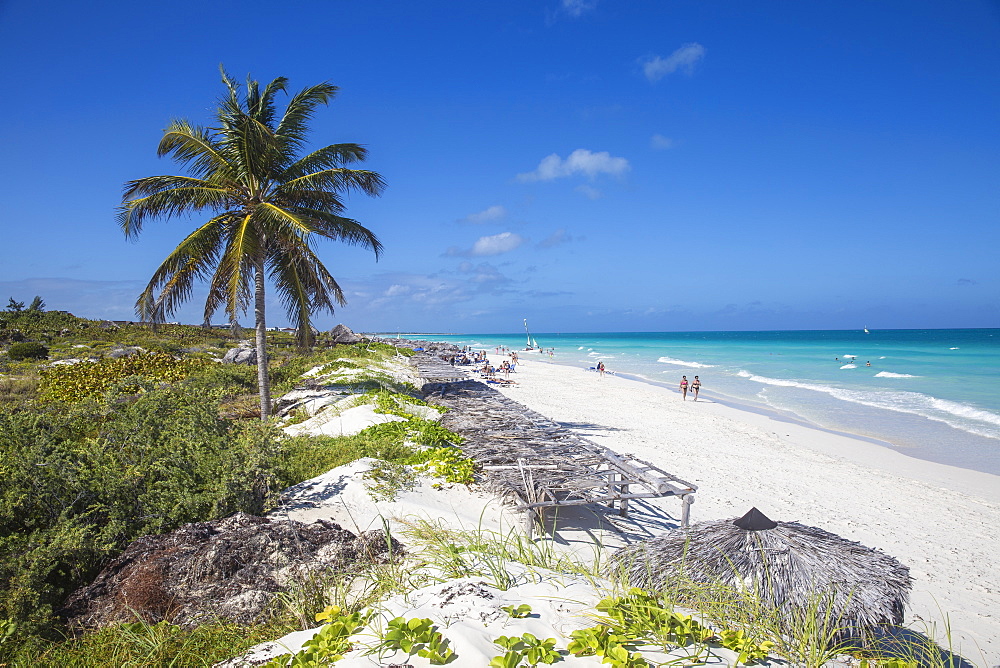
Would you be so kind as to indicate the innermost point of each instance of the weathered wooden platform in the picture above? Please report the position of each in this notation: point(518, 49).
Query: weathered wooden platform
point(534, 461)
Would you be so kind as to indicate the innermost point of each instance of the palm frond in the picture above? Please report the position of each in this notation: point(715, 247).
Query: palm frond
point(304, 286)
point(328, 157)
point(244, 247)
point(292, 129)
point(219, 297)
point(342, 229)
point(192, 146)
point(264, 110)
point(296, 296)
point(167, 196)
point(320, 200)
point(174, 279)
point(339, 180)
point(279, 218)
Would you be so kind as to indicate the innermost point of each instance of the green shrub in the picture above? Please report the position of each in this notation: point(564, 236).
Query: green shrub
point(27, 350)
point(88, 380)
point(80, 484)
point(224, 379)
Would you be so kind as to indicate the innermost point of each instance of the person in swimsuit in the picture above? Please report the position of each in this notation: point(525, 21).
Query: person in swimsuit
point(695, 386)
point(600, 368)
point(684, 387)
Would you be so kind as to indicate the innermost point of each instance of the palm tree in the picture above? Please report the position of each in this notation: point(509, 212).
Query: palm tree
point(267, 205)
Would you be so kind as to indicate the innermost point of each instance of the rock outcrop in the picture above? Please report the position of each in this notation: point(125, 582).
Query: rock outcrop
point(246, 353)
point(343, 334)
point(125, 351)
point(227, 569)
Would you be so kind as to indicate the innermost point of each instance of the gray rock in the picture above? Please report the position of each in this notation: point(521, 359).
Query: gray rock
point(241, 355)
point(343, 334)
point(125, 351)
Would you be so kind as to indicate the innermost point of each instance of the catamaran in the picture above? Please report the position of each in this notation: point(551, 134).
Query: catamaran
point(528, 346)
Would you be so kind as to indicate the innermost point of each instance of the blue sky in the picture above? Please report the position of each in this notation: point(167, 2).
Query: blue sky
point(586, 164)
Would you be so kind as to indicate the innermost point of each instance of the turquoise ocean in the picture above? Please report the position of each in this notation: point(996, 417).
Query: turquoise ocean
point(932, 394)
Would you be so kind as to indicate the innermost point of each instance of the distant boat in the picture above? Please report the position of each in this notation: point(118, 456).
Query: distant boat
point(528, 346)
point(866, 331)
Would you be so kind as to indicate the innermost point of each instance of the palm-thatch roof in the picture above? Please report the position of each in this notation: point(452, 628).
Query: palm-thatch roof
point(791, 568)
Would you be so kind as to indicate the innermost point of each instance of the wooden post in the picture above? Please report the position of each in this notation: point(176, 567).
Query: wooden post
point(686, 501)
point(529, 523)
point(623, 504)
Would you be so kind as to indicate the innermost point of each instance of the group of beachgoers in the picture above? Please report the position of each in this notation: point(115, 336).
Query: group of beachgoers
point(541, 351)
point(487, 371)
point(469, 357)
point(853, 360)
point(694, 386)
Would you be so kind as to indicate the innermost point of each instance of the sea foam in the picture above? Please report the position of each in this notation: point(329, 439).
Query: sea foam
point(960, 416)
point(693, 365)
point(890, 374)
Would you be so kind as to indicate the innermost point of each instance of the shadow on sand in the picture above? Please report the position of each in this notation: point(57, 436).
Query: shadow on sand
point(587, 427)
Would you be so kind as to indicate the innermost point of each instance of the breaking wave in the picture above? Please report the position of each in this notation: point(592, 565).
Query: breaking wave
point(960, 416)
point(692, 365)
point(890, 374)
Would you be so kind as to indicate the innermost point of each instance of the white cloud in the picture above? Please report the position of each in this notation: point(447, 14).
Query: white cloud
point(684, 59)
point(576, 8)
point(495, 212)
point(494, 244)
point(497, 244)
point(660, 142)
point(590, 192)
point(396, 289)
point(580, 161)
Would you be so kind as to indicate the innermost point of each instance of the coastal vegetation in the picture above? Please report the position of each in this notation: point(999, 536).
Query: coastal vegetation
point(166, 438)
point(128, 431)
point(267, 204)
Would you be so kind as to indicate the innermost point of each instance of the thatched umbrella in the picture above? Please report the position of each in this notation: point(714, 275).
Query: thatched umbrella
point(790, 567)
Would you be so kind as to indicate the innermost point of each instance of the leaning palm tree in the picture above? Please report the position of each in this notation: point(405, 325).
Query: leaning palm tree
point(267, 205)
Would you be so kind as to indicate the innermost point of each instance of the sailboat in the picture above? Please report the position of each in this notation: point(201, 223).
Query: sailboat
point(528, 346)
point(866, 331)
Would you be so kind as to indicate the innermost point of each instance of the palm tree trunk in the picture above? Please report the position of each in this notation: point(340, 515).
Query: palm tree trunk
point(263, 379)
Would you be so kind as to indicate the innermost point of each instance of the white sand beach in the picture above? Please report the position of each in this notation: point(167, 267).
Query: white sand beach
point(938, 520)
point(941, 521)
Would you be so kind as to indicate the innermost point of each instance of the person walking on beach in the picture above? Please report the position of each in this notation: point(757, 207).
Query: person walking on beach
point(684, 387)
point(600, 368)
point(695, 386)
